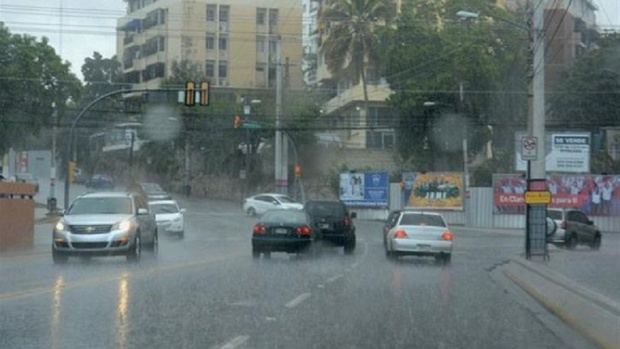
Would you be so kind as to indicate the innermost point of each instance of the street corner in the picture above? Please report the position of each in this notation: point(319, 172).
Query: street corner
point(593, 315)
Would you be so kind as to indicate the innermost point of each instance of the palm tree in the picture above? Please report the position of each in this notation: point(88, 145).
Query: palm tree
point(351, 43)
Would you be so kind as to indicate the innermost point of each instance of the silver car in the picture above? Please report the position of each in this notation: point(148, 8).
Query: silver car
point(571, 227)
point(105, 224)
point(419, 234)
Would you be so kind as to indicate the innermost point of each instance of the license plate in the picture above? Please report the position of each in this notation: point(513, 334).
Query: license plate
point(324, 226)
point(281, 231)
point(424, 247)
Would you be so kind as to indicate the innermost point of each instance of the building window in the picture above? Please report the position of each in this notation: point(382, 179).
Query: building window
point(223, 43)
point(273, 17)
point(224, 11)
point(273, 48)
point(261, 15)
point(223, 69)
point(210, 42)
point(154, 18)
point(154, 71)
point(210, 68)
point(153, 46)
point(211, 10)
point(260, 44)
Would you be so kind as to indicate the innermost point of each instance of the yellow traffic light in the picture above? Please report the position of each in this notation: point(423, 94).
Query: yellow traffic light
point(237, 121)
point(297, 170)
point(204, 93)
point(72, 171)
point(190, 93)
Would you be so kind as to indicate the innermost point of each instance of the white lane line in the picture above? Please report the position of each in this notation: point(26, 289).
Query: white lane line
point(333, 278)
point(320, 286)
point(235, 342)
point(297, 300)
point(354, 265)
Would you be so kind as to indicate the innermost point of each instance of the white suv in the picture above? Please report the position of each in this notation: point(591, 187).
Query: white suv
point(261, 203)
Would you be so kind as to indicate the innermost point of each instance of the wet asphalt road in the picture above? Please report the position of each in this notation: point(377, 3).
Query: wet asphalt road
point(206, 291)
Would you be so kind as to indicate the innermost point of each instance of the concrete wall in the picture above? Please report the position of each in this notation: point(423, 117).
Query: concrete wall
point(16, 215)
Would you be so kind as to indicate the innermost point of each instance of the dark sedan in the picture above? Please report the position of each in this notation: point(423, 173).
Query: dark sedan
point(99, 181)
point(282, 231)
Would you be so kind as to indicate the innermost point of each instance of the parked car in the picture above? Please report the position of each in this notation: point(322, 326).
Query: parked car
point(570, 228)
point(105, 224)
point(261, 203)
point(100, 181)
point(80, 177)
point(420, 234)
point(282, 231)
point(332, 222)
point(169, 217)
point(154, 192)
point(28, 178)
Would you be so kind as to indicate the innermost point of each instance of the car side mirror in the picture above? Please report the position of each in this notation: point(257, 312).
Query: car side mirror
point(143, 212)
point(590, 222)
point(276, 203)
point(183, 210)
point(60, 212)
point(353, 215)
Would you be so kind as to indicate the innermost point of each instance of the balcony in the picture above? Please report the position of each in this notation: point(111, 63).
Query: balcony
point(376, 93)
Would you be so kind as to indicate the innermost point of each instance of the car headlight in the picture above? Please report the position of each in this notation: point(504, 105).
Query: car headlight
point(177, 219)
point(123, 226)
point(60, 227)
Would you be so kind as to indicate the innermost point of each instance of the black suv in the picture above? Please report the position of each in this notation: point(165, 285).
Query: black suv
point(332, 222)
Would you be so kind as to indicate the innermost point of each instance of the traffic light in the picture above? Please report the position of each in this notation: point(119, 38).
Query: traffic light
point(72, 171)
point(237, 121)
point(204, 93)
point(190, 94)
point(297, 170)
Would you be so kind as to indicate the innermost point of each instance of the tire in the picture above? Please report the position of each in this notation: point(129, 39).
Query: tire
point(444, 258)
point(596, 243)
point(349, 247)
point(572, 242)
point(153, 247)
point(59, 257)
point(181, 234)
point(391, 255)
point(251, 212)
point(267, 255)
point(255, 253)
point(134, 254)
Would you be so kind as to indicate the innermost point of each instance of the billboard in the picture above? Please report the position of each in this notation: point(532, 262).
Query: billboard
point(596, 195)
point(365, 189)
point(567, 152)
point(433, 190)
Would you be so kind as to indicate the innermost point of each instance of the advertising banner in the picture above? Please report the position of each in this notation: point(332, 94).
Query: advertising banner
point(567, 152)
point(434, 190)
point(596, 195)
point(367, 189)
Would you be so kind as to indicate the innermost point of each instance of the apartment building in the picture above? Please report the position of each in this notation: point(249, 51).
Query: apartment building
point(310, 40)
point(234, 42)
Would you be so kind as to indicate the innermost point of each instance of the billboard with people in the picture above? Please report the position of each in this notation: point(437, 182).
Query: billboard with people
point(364, 189)
point(596, 195)
point(433, 190)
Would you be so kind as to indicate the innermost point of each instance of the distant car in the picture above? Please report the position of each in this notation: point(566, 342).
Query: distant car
point(261, 203)
point(282, 231)
point(332, 222)
point(105, 224)
point(154, 192)
point(100, 181)
point(570, 228)
point(80, 177)
point(169, 217)
point(420, 234)
point(28, 178)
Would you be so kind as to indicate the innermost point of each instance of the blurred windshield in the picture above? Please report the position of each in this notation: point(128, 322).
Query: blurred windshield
point(87, 206)
point(555, 215)
point(324, 208)
point(151, 188)
point(422, 219)
point(164, 208)
point(285, 199)
point(284, 217)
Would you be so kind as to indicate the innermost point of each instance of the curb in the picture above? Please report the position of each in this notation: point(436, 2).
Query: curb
point(593, 315)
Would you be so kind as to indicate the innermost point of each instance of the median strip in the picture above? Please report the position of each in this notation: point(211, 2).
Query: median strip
point(297, 300)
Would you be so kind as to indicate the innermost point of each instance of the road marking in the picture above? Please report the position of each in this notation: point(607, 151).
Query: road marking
point(333, 278)
point(235, 342)
point(354, 265)
point(298, 300)
point(320, 286)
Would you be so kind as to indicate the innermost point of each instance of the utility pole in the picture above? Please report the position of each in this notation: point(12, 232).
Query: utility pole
point(51, 200)
point(281, 174)
point(536, 122)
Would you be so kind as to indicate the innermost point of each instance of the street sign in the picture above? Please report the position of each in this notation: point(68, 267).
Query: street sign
point(538, 198)
point(529, 148)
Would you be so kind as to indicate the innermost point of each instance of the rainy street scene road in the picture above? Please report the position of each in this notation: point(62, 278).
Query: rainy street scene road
point(207, 291)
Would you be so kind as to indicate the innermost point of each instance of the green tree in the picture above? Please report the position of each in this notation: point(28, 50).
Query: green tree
point(352, 31)
point(33, 77)
point(101, 76)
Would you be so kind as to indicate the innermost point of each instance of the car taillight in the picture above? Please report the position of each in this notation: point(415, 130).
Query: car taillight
point(447, 236)
point(346, 221)
point(563, 225)
point(400, 234)
point(259, 229)
point(304, 230)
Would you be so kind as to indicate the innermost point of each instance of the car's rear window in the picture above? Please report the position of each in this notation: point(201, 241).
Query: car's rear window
point(164, 208)
point(284, 217)
point(555, 215)
point(422, 219)
point(324, 209)
point(101, 206)
point(285, 199)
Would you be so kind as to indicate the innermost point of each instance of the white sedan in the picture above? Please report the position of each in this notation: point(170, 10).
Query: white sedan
point(169, 216)
point(419, 234)
point(261, 203)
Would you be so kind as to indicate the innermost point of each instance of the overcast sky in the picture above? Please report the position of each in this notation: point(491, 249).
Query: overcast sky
point(89, 25)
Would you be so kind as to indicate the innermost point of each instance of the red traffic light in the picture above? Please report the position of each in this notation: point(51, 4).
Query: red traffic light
point(237, 121)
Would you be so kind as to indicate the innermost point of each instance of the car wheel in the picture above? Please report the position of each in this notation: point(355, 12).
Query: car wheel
point(255, 253)
point(251, 212)
point(154, 246)
point(267, 255)
point(59, 257)
point(135, 252)
point(572, 242)
point(349, 247)
point(444, 258)
point(181, 234)
point(596, 244)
